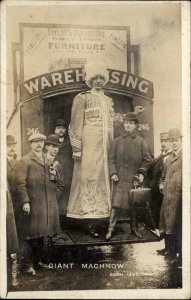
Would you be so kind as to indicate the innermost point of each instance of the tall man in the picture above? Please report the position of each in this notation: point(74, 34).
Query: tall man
point(64, 156)
point(171, 186)
point(91, 133)
point(39, 209)
point(156, 170)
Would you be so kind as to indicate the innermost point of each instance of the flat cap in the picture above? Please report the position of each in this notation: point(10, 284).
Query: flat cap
point(37, 137)
point(164, 136)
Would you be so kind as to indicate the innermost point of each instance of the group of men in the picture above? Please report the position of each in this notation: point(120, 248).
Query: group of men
point(71, 176)
point(38, 186)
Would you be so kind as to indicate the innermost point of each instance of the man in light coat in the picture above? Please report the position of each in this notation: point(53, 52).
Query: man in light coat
point(38, 203)
point(171, 186)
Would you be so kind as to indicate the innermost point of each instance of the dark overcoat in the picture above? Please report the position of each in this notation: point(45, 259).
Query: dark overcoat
point(129, 155)
point(171, 210)
point(155, 172)
point(34, 187)
point(64, 157)
point(12, 239)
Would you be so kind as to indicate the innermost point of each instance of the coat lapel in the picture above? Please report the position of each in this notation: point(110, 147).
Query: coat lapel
point(34, 157)
point(174, 158)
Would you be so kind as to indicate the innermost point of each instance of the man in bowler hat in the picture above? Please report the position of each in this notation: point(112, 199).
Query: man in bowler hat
point(171, 210)
point(129, 156)
point(155, 174)
point(64, 156)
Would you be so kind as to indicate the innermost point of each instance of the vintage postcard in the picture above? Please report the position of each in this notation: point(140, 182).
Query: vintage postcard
point(95, 149)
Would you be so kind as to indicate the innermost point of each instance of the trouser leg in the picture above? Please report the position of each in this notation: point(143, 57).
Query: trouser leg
point(113, 218)
point(26, 253)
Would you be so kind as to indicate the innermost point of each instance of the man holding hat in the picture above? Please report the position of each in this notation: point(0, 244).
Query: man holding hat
point(171, 210)
point(91, 134)
point(64, 156)
point(37, 194)
point(129, 156)
point(155, 174)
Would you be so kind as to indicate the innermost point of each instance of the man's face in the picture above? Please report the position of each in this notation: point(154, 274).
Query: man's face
point(129, 126)
point(52, 149)
point(11, 150)
point(60, 131)
point(175, 144)
point(37, 146)
point(98, 82)
point(165, 145)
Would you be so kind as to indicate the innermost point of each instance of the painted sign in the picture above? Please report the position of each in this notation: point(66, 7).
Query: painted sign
point(48, 48)
point(73, 79)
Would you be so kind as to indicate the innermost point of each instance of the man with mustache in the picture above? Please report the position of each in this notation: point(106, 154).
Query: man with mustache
point(156, 170)
point(64, 156)
point(38, 202)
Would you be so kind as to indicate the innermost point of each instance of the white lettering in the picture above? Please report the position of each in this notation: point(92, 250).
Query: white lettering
point(132, 81)
point(78, 75)
point(32, 86)
point(143, 86)
point(67, 75)
point(44, 82)
point(115, 77)
point(56, 77)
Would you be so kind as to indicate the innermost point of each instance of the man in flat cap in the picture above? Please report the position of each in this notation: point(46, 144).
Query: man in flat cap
point(155, 175)
point(171, 210)
point(64, 156)
point(37, 195)
point(91, 133)
point(129, 156)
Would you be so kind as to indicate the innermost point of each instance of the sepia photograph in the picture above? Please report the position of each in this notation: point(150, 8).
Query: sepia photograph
point(95, 150)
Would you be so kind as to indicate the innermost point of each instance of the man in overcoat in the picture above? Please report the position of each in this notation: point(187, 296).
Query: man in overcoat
point(129, 156)
point(171, 211)
point(39, 208)
point(156, 172)
point(64, 156)
point(12, 237)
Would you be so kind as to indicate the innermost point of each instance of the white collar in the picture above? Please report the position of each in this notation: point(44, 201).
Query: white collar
point(96, 92)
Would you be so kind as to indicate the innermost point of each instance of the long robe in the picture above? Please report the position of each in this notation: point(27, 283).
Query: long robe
point(91, 133)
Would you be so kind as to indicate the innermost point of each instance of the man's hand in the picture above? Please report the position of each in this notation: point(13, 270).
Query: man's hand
point(140, 177)
point(77, 155)
point(161, 186)
point(26, 208)
point(114, 177)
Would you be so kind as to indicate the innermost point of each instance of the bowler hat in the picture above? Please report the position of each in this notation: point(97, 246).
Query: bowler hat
point(164, 136)
point(53, 139)
point(131, 116)
point(174, 133)
point(37, 137)
point(60, 122)
point(10, 140)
